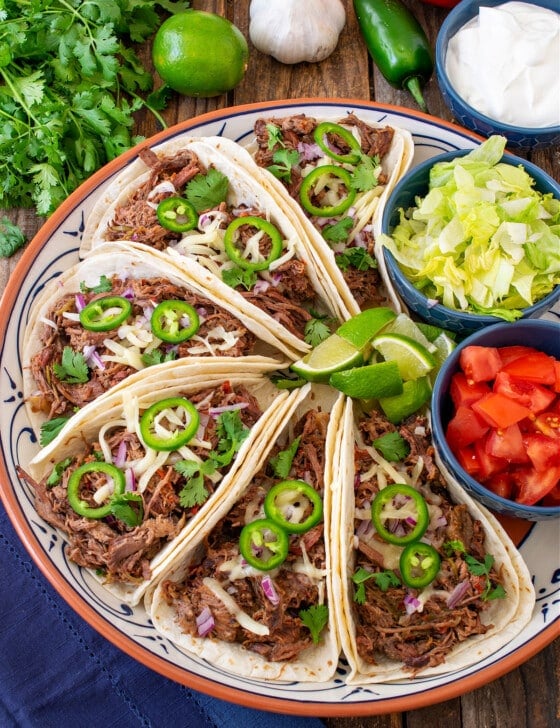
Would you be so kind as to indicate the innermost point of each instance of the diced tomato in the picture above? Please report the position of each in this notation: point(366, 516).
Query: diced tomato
point(536, 367)
point(488, 464)
point(480, 363)
point(557, 373)
point(534, 396)
point(533, 486)
point(464, 392)
point(553, 497)
point(468, 460)
point(500, 411)
point(543, 451)
point(465, 428)
point(509, 353)
point(502, 484)
point(549, 424)
point(507, 443)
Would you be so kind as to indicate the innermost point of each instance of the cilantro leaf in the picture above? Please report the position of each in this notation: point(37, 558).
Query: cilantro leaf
point(281, 464)
point(392, 446)
point(453, 546)
point(103, 286)
point(194, 492)
point(128, 507)
point(284, 160)
point(274, 136)
point(338, 232)
point(357, 258)
point(206, 191)
point(315, 619)
point(56, 473)
point(50, 429)
point(11, 238)
point(232, 432)
point(316, 330)
point(73, 368)
point(157, 356)
point(483, 568)
point(366, 173)
point(383, 579)
point(234, 277)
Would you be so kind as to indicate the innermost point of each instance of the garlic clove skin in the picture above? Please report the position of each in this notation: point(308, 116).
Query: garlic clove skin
point(292, 31)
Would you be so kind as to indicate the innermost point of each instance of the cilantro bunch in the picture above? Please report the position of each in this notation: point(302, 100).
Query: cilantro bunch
point(70, 82)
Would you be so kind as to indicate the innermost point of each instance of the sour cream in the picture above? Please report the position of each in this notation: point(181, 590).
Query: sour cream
point(506, 64)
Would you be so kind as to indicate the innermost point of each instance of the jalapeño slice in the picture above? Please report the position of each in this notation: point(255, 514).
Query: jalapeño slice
point(310, 188)
point(329, 127)
point(400, 514)
point(174, 321)
point(419, 564)
point(162, 429)
point(260, 225)
point(177, 214)
point(294, 505)
point(264, 544)
point(81, 506)
point(105, 313)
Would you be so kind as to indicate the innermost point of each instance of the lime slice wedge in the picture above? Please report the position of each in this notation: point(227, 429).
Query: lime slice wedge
point(360, 329)
point(404, 325)
point(413, 359)
point(331, 355)
point(369, 382)
point(416, 392)
point(430, 331)
point(444, 346)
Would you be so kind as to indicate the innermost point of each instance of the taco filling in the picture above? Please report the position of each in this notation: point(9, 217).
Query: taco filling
point(334, 172)
point(94, 339)
point(134, 489)
point(235, 241)
point(422, 577)
point(234, 592)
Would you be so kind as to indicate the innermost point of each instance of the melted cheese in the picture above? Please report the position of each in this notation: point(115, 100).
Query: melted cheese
point(233, 608)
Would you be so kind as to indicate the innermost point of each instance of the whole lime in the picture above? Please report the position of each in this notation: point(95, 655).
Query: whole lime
point(200, 54)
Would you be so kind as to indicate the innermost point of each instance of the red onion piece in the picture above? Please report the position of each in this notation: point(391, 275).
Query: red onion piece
point(457, 594)
point(412, 604)
point(205, 622)
point(120, 458)
point(269, 590)
point(213, 411)
point(80, 301)
point(130, 479)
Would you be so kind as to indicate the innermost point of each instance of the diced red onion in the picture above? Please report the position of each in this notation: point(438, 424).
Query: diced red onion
point(129, 479)
point(410, 521)
point(457, 594)
point(120, 458)
point(128, 293)
point(213, 411)
point(269, 590)
point(92, 357)
point(202, 312)
point(432, 302)
point(441, 521)
point(205, 622)
point(80, 301)
point(261, 286)
point(365, 527)
point(412, 604)
point(309, 151)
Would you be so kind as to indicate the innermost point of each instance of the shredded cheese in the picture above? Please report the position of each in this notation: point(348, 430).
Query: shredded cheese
point(233, 608)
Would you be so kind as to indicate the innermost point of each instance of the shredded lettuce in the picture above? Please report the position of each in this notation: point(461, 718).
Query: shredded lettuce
point(482, 239)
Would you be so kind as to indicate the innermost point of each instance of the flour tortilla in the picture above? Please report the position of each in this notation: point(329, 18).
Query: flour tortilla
point(135, 262)
point(395, 164)
point(128, 403)
point(317, 663)
point(508, 616)
point(244, 189)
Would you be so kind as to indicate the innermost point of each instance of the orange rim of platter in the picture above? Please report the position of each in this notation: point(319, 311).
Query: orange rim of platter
point(517, 529)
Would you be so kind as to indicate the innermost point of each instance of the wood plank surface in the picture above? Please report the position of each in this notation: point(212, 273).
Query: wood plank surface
point(528, 695)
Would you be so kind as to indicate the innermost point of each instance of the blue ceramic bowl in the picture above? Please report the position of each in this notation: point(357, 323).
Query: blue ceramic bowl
point(518, 137)
point(542, 335)
point(415, 184)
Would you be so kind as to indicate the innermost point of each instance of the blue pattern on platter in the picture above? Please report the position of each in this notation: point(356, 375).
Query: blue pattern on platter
point(18, 445)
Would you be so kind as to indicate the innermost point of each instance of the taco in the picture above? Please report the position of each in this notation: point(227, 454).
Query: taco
point(188, 198)
point(252, 593)
point(425, 581)
point(333, 177)
point(131, 475)
point(142, 313)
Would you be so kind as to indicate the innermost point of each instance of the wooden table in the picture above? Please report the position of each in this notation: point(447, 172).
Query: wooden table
point(527, 696)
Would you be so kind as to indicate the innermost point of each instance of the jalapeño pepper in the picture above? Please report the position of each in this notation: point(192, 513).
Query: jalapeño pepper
point(288, 502)
point(81, 506)
point(176, 214)
point(157, 435)
point(260, 224)
point(329, 127)
point(106, 313)
point(405, 508)
point(264, 544)
point(306, 191)
point(168, 321)
point(397, 44)
point(419, 564)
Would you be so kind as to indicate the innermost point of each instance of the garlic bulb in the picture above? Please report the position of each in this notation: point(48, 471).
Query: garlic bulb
point(296, 30)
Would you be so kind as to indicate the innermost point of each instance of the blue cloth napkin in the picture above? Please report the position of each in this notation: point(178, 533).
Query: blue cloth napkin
point(57, 671)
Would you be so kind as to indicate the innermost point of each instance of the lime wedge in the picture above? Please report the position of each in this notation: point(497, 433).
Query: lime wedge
point(360, 329)
point(444, 346)
point(413, 359)
point(430, 331)
point(369, 382)
point(331, 355)
point(416, 392)
point(404, 325)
